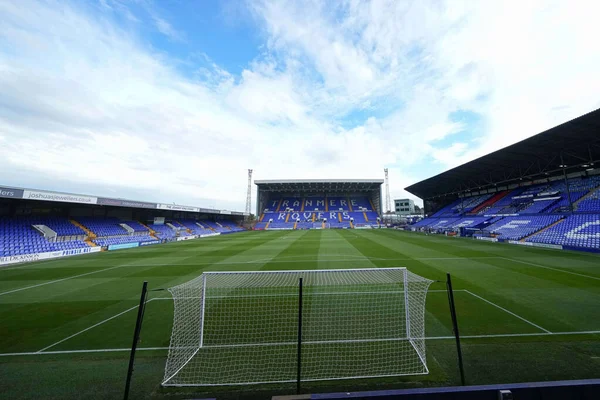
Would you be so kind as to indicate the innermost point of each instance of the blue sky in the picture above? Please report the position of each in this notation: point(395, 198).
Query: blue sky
point(173, 100)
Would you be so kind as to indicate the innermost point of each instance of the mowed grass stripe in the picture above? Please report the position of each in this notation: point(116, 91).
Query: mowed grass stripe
point(110, 262)
point(68, 295)
point(587, 275)
point(342, 249)
point(536, 284)
point(429, 246)
point(256, 257)
point(363, 242)
point(510, 289)
point(529, 292)
point(437, 316)
point(170, 254)
point(298, 249)
point(115, 331)
point(480, 272)
point(568, 260)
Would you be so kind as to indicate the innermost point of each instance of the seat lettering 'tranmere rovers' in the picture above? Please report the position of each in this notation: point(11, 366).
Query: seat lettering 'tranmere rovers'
point(308, 215)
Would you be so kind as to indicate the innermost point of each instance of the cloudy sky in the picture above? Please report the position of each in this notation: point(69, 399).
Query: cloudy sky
point(173, 100)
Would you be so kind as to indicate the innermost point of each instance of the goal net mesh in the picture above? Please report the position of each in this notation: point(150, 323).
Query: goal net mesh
point(234, 328)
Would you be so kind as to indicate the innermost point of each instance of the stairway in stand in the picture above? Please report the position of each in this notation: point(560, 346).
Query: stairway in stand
point(489, 202)
point(152, 232)
point(542, 230)
point(89, 233)
point(589, 194)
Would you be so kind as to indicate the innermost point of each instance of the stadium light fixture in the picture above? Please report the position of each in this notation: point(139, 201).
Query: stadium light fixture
point(562, 166)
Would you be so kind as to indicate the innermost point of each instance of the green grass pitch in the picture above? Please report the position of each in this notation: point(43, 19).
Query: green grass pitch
point(525, 314)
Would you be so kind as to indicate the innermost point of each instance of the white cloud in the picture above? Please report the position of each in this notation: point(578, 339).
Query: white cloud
point(86, 100)
point(166, 29)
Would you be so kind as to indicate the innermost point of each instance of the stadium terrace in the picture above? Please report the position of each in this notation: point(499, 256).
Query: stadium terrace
point(38, 225)
point(543, 191)
point(319, 204)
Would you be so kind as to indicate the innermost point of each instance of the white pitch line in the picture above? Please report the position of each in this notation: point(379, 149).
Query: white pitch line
point(499, 335)
point(510, 312)
point(169, 298)
point(60, 280)
point(296, 294)
point(508, 335)
point(262, 261)
point(91, 327)
point(551, 268)
point(221, 264)
point(35, 353)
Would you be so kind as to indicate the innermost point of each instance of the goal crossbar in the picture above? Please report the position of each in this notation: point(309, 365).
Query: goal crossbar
point(300, 271)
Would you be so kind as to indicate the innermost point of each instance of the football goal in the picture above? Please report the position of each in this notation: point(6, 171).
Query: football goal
point(240, 328)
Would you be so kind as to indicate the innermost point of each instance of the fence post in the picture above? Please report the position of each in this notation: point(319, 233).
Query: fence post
point(299, 360)
point(455, 327)
point(136, 337)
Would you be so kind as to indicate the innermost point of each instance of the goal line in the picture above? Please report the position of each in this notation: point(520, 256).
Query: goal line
point(117, 350)
point(45, 349)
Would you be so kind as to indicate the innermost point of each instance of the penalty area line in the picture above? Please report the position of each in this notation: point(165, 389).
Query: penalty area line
point(499, 335)
point(60, 280)
point(44, 350)
point(296, 294)
point(507, 311)
point(551, 268)
point(90, 327)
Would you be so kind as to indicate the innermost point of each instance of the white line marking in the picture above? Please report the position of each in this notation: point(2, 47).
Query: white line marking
point(510, 312)
point(169, 298)
point(507, 335)
point(314, 259)
point(551, 268)
point(90, 327)
point(36, 353)
point(59, 280)
point(296, 294)
point(271, 344)
point(499, 335)
point(221, 264)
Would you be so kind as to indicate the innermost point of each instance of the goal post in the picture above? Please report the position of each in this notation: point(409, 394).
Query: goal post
point(240, 328)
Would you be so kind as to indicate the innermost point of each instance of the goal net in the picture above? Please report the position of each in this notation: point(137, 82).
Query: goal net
point(239, 328)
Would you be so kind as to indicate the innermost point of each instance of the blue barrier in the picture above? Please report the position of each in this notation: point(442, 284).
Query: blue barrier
point(556, 390)
point(586, 249)
point(123, 246)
